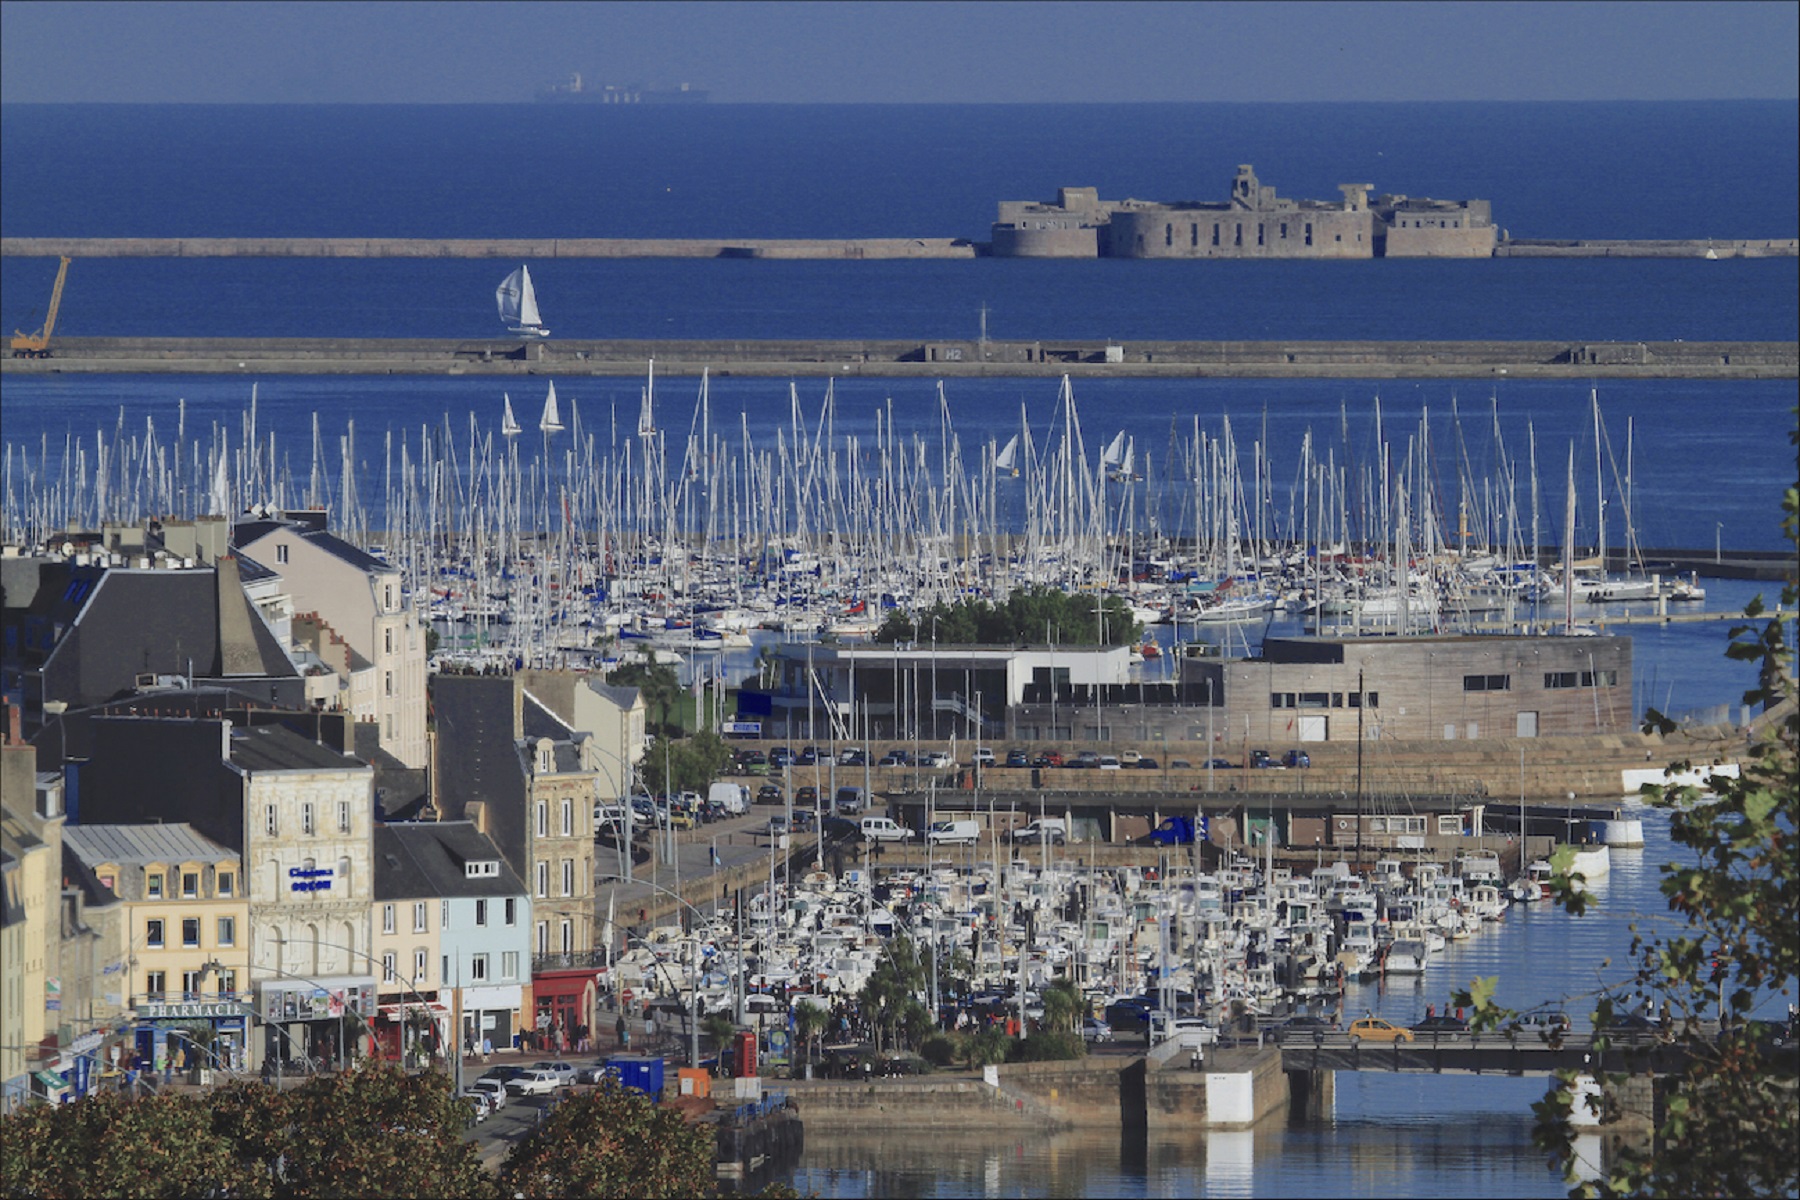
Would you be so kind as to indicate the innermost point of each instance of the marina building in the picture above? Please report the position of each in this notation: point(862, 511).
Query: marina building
point(1254, 222)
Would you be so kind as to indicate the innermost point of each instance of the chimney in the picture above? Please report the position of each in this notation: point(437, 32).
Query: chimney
point(13, 735)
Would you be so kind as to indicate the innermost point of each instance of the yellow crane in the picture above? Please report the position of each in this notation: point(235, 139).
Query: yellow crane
point(37, 345)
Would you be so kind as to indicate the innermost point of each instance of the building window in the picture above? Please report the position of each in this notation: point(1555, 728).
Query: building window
point(343, 875)
point(1309, 233)
point(1259, 233)
point(387, 597)
point(227, 883)
point(1215, 233)
point(153, 933)
point(568, 818)
point(512, 911)
point(190, 985)
point(478, 968)
point(1449, 824)
point(568, 936)
point(444, 968)
point(1487, 683)
point(153, 888)
point(227, 931)
point(271, 826)
point(480, 912)
point(306, 821)
point(543, 937)
point(281, 552)
point(190, 885)
point(343, 816)
point(154, 984)
point(1365, 700)
point(1194, 234)
point(1238, 238)
point(227, 983)
point(387, 639)
point(421, 971)
point(443, 915)
point(387, 967)
point(543, 878)
point(1281, 699)
point(190, 931)
point(421, 917)
point(543, 818)
point(568, 876)
point(1284, 230)
point(1315, 699)
point(387, 682)
point(387, 918)
point(1560, 679)
point(1168, 235)
point(509, 964)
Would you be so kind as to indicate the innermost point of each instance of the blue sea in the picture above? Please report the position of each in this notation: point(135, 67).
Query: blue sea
point(1704, 462)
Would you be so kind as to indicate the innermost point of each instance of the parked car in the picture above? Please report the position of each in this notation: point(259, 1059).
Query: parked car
point(1174, 831)
point(1146, 763)
point(1048, 758)
point(983, 757)
point(492, 1089)
point(777, 826)
point(1442, 1023)
point(1093, 1029)
point(780, 757)
point(1017, 758)
point(1129, 758)
point(531, 1082)
point(1180, 764)
point(850, 801)
point(1374, 1029)
point(807, 797)
point(1296, 758)
point(1260, 759)
point(1543, 1022)
point(488, 1100)
point(853, 757)
point(564, 1071)
point(1222, 764)
point(895, 758)
point(954, 833)
point(1186, 1031)
point(770, 793)
point(592, 1073)
point(803, 820)
point(752, 762)
point(935, 760)
point(884, 829)
point(1107, 763)
point(808, 756)
point(1087, 760)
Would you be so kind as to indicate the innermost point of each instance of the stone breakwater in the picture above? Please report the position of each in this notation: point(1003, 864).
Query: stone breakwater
point(774, 248)
point(908, 358)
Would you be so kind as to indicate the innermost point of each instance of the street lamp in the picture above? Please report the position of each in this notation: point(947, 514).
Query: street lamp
point(694, 1000)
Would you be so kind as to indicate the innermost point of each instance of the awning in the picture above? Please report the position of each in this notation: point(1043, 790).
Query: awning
point(399, 1012)
point(50, 1081)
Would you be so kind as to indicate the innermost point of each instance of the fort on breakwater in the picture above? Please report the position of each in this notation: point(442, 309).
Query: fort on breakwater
point(913, 358)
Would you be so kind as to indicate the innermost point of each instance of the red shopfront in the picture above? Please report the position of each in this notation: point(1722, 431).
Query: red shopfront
point(563, 1002)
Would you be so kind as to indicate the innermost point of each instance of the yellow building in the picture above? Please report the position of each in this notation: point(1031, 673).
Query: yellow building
point(30, 921)
point(187, 919)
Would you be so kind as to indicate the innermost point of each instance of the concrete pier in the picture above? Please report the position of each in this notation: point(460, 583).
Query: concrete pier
point(902, 358)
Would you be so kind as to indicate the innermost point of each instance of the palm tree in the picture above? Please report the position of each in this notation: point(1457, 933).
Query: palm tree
point(809, 1022)
point(1062, 1007)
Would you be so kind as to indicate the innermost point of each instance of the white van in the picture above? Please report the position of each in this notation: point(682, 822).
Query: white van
point(883, 829)
point(954, 833)
point(733, 798)
point(1050, 829)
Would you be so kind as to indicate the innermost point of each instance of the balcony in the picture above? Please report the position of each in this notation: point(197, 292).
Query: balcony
point(577, 960)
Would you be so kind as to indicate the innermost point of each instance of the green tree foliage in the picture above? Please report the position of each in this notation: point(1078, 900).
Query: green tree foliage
point(1063, 1007)
point(374, 1131)
point(1029, 615)
point(1728, 1124)
point(687, 765)
point(891, 996)
point(809, 1025)
point(660, 685)
point(612, 1142)
point(1047, 1047)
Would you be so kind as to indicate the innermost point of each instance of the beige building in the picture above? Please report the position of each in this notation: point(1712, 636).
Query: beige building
point(613, 718)
point(187, 924)
point(31, 824)
point(351, 611)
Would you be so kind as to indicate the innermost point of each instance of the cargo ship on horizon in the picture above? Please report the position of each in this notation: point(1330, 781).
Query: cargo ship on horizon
point(575, 91)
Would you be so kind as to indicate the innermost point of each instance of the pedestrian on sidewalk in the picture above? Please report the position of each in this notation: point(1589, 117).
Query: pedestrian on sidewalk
point(624, 1033)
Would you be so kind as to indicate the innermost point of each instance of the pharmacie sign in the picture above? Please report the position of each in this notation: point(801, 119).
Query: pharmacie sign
point(193, 1009)
point(309, 879)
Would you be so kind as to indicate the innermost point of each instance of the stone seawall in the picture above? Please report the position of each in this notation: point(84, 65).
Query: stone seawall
point(520, 248)
point(903, 358)
point(1649, 248)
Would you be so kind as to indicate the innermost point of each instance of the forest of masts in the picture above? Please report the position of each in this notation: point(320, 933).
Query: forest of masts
point(793, 516)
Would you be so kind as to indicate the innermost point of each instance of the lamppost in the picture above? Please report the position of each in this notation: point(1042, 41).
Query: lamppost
point(694, 1000)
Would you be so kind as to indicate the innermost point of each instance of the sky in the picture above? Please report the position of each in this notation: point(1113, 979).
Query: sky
point(823, 52)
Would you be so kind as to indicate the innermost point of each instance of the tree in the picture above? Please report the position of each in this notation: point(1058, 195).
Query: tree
point(1729, 1122)
point(891, 995)
point(612, 1142)
point(1027, 615)
point(809, 1023)
point(685, 765)
point(659, 683)
point(111, 1144)
point(1062, 1007)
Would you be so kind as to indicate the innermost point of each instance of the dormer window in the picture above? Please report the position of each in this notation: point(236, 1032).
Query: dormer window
point(484, 869)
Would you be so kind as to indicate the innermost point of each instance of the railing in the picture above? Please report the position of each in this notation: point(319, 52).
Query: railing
point(576, 960)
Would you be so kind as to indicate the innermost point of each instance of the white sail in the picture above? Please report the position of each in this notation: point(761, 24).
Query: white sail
point(518, 303)
point(1008, 458)
point(1115, 451)
point(509, 424)
point(551, 422)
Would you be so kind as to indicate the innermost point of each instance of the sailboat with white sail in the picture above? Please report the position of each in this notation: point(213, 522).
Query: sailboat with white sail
point(518, 304)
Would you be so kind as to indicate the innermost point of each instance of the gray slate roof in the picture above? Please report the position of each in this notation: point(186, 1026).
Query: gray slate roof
point(142, 844)
point(418, 860)
point(275, 748)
